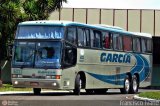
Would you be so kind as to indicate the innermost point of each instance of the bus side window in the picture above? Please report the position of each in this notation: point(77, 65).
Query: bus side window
point(71, 35)
point(127, 43)
point(144, 45)
point(107, 40)
point(81, 37)
point(117, 42)
point(136, 44)
point(96, 39)
point(149, 45)
point(87, 38)
point(92, 38)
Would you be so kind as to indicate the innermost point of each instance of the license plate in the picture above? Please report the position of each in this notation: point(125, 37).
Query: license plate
point(34, 83)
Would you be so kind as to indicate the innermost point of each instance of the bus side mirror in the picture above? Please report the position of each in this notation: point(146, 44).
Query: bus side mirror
point(9, 51)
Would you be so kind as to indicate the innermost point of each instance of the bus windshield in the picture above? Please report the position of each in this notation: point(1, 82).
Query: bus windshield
point(48, 55)
point(38, 55)
point(40, 32)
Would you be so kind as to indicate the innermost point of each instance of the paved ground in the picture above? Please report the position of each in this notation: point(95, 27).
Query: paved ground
point(112, 98)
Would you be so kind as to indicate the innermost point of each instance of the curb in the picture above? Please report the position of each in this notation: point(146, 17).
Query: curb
point(136, 97)
point(15, 92)
point(29, 92)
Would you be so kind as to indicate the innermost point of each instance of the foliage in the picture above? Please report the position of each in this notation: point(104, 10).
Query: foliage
point(8, 18)
point(8, 87)
point(14, 11)
point(151, 95)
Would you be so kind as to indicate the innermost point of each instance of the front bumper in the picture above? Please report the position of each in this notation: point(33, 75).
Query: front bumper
point(36, 83)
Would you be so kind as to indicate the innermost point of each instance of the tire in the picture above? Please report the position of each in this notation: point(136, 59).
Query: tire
point(127, 85)
point(37, 91)
point(78, 85)
point(134, 85)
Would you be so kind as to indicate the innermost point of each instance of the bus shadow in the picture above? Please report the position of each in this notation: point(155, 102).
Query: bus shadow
point(70, 93)
point(62, 94)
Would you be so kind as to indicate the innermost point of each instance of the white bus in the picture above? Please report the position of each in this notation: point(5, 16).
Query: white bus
point(64, 55)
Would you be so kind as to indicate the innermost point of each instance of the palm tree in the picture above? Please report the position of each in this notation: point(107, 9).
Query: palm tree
point(41, 9)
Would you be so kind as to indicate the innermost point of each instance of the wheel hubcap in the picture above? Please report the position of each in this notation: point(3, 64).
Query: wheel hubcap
point(80, 84)
point(134, 85)
point(127, 84)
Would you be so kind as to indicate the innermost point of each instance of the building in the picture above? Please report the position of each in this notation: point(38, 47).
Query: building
point(136, 20)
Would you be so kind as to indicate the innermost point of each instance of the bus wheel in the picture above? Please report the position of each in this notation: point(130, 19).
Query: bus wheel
point(78, 85)
point(134, 84)
point(126, 86)
point(89, 91)
point(37, 91)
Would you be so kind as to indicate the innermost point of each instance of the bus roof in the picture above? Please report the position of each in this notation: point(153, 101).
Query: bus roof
point(98, 26)
point(142, 34)
point(46, 22)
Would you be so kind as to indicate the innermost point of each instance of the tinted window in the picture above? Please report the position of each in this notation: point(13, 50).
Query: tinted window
point(127, 43)
point(149, 45)
point(40, 31)
point(40, 54)
point(136, 45)
point(107, 40)
point(96, 39)
point(117, 42)
point(144, 45)
point(92, 38)
point(48, 54)
point(24, 54)
point(70, 55)
point(81, 35)
point(87, 37)
point(71, 35)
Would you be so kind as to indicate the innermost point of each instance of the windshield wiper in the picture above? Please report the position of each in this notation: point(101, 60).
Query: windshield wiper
point(27, 60)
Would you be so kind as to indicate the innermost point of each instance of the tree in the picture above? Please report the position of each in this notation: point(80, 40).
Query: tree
point(14, 11)
point(41, 9)
point(9, 16)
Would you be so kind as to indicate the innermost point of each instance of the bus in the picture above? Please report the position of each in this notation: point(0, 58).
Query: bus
point(64, 55)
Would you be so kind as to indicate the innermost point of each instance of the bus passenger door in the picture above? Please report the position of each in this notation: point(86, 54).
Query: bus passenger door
point(68, 66)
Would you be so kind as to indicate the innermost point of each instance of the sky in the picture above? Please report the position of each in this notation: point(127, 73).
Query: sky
point(113, 4)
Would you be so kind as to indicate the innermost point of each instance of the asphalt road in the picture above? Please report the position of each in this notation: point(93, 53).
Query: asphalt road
point(112, 98)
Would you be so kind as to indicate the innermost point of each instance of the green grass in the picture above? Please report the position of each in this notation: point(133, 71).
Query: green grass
point(151, 95)
point(9, 87)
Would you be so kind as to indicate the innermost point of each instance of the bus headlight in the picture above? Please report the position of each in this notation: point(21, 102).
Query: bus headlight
point(54, 84)
point(16, 82)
